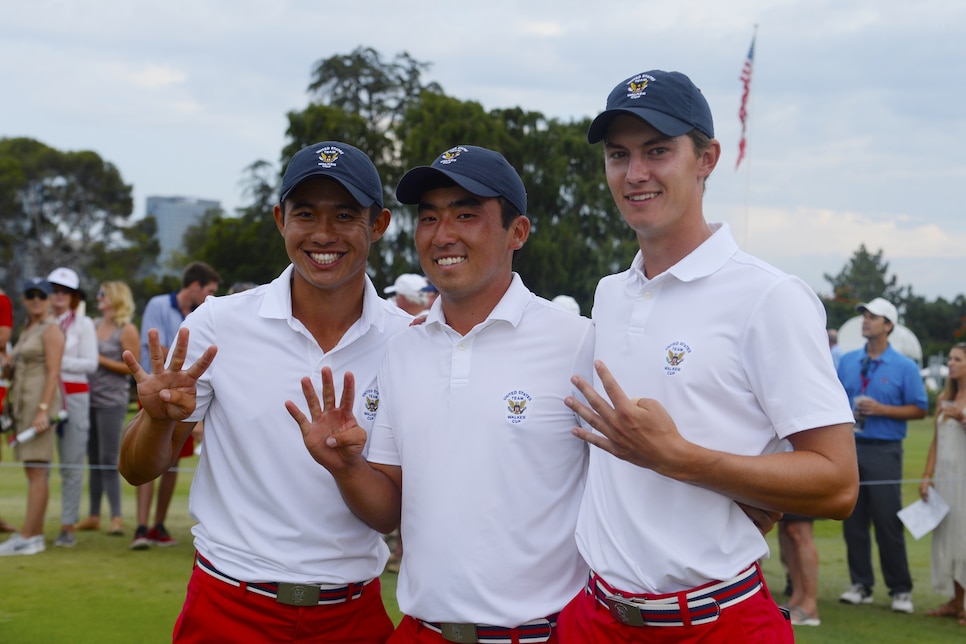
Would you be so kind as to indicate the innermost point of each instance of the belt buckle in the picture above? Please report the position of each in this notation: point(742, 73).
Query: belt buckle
point(624, 610)
point(297, 594)
point(455, 632)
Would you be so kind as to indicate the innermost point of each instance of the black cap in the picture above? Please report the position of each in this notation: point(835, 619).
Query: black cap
point(483, 172)
point(348, 165)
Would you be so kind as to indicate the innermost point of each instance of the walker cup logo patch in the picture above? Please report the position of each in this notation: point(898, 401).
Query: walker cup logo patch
point(676, 352)
point(329, 155)
point(452, 155)
point(637, 86)
point(370, 400)
point(516, 406)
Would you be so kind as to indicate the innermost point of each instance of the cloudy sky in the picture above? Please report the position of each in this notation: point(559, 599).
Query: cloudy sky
point(857, 118)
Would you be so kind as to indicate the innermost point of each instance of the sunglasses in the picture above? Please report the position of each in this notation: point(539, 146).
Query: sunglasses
point(33, 295)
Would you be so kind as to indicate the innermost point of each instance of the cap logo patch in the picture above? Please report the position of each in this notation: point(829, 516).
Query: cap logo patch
point(370, 400)
point(516, 406)
point(329, 155)
point(451, 155)
point(676, 353)
point(637, 86)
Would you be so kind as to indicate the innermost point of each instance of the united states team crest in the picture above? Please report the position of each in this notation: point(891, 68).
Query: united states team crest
point(517, 403)
point(329, 155)
point(451, 155)
point(674, 356)
point(370, 403)
point(637, 86)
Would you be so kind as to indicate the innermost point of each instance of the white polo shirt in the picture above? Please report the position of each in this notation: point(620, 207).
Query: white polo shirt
point(492, 475)
point(737, 352)
point(266, 510)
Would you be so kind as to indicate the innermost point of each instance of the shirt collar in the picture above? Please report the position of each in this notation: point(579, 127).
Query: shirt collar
point(509, 309)
point(277, 303)
point(701, 262)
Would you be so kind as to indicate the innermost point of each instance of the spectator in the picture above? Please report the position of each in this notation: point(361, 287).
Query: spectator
point(694, 324)
point(946, 471)
point(412, 293)
point(886, 391)
point(6, 328)
point(278, 551)
point(834, 348)
point(79, 360)
point(34, 399)
point(166, 313)
point(110, 396)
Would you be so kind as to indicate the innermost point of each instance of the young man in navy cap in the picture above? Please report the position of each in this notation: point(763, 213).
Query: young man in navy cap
point(732, 357)
point(279, 555)
point(480, 434)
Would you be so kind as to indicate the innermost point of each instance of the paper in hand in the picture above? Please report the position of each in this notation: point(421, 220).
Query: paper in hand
point(922, 517)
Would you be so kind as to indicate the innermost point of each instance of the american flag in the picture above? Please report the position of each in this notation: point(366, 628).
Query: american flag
point(746, 89)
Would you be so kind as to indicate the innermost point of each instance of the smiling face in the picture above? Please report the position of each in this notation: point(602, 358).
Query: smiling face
point(463, 247)
point(657, 181)
point(327, 234)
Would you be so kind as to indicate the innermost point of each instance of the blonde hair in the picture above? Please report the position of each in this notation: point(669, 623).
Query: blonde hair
point(121, 299)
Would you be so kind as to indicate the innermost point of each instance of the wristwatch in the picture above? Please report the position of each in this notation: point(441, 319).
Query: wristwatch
point(43, 406)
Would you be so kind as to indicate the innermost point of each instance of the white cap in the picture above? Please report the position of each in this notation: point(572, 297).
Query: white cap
point(567, 303)
point(409, 285)
point(879, 306)
point(64, 277)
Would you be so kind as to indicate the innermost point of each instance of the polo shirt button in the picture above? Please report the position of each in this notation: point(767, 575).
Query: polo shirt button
point(648, 295)
point(460, 347)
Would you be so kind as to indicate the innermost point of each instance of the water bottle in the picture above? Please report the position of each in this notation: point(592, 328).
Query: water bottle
point(29, 433)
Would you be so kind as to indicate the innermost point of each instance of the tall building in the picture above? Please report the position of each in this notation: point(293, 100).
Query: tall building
point(174, 215)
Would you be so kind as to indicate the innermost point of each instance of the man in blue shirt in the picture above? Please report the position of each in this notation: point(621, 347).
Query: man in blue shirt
point(886, 391)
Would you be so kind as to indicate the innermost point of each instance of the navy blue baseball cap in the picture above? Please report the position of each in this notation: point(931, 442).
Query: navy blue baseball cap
point(36, 284)
point(483, 172)
point(669, 101)
point(348, 165)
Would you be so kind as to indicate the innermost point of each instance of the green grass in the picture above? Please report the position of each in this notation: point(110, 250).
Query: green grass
point(103, 592)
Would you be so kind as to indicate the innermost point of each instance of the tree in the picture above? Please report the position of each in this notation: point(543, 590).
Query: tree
point(863, 278)
point(61, 209)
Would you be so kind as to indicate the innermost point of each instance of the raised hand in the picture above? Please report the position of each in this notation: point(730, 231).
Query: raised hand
point(637, 430)
point(332, 436)
point(168, 393)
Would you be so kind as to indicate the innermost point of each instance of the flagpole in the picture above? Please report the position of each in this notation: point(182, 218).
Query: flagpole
point(744, 114)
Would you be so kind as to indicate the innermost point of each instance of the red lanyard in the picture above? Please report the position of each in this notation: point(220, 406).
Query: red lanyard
point(867, 370)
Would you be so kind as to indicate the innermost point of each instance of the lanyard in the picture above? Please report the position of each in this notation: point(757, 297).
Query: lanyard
point(868, 367)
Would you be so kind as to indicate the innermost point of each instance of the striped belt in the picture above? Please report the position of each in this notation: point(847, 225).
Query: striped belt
point(537, 630)
point(700, 605)
point(290, 594)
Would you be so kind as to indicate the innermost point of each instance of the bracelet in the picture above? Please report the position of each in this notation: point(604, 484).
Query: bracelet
point(43, 406)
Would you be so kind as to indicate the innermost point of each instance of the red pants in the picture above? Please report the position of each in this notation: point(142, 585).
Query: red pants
point(215, 611)
point(756, 620)
point(410, 631)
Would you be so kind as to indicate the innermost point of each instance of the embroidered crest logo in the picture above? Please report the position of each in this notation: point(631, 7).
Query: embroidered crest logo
point(451, 155)
point(676, 353)
point(370, 401)
point(516, 406)
point(329, 155)
point(637, 86)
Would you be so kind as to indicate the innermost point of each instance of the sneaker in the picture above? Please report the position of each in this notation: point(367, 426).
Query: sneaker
point(160, 537)
point(65, 539)
point(902, 603)
point(141, 541)
point(17, 545)
point(857, 594)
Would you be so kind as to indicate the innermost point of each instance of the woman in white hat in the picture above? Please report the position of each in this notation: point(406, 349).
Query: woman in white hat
point(80, 359)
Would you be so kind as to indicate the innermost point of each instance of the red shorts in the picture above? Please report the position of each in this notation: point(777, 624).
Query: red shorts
point(188, 449)
point(412, 631)
point(215, 611)
point(756, 620)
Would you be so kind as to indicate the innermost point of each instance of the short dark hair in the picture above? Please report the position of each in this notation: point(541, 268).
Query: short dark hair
point(199, 272)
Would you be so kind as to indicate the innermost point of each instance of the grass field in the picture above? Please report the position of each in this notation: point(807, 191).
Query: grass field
point(103, 592)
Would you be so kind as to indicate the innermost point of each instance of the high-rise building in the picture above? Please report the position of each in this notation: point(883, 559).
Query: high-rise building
point(174, 215)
